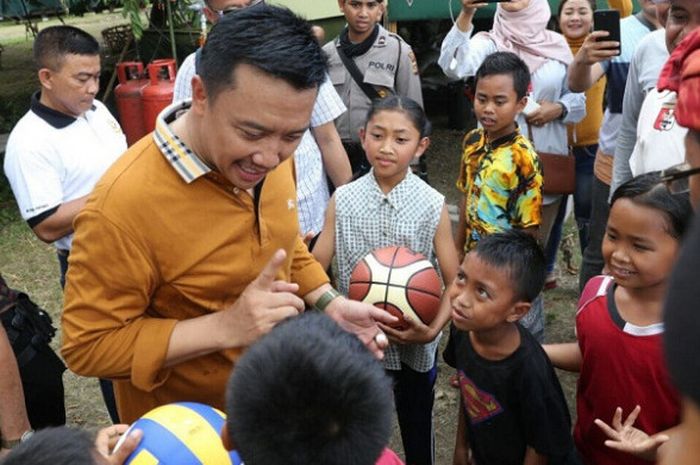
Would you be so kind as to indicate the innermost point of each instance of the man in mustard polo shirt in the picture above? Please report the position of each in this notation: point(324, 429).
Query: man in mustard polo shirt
point(188, 249)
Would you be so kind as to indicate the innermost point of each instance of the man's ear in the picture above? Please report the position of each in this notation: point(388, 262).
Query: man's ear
point(211, 15)
point(200, 98)
point(226, 438)
point(44, 75)
point(518, 311)
point(522, 103)
point(422, 147)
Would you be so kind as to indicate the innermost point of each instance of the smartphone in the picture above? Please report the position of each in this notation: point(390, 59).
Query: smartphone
point(607, 20)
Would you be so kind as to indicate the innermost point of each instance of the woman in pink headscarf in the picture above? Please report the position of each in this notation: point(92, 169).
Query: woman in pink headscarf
point(520, 26)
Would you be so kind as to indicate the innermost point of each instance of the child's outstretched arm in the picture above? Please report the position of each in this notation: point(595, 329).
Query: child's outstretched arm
point(624, 437)
point(565, 356)
point(324, 249)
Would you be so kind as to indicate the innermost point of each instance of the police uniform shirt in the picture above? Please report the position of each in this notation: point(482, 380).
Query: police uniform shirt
point(53, 158)
point(389, 66)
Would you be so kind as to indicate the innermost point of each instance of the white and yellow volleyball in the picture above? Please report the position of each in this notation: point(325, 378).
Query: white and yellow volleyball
point(183, 433)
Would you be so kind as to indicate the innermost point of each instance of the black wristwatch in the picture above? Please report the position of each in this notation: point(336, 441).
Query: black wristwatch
point(564, 110)
point(12, 443)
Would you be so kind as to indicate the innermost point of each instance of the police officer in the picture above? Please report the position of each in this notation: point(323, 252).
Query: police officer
point(366, 62)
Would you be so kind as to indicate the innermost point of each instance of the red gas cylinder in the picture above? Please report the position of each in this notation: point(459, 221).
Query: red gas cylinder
point(159, 92)
point(128, 97)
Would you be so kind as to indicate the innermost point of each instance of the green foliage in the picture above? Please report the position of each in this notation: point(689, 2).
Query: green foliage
point(132, 11)
point(12, 108)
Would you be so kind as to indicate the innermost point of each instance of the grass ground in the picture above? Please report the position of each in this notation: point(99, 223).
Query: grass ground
point(31, 266)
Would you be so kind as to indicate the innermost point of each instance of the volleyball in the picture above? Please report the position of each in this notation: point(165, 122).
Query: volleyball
point(183, 433)
point(399, 280)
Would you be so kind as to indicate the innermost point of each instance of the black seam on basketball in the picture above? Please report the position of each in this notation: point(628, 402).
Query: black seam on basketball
point(388, 279)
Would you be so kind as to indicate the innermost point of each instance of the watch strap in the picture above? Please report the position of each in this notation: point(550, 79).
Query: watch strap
point(326, 299)
point(12, 443)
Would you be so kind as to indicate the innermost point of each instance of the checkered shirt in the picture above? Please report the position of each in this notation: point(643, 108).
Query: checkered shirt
point(367, 219)
point(312, 188)
point(183, 81)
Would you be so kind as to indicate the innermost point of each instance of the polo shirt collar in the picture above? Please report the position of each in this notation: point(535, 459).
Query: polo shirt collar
point(182, 159)
point(53, 117)
point(396, 197)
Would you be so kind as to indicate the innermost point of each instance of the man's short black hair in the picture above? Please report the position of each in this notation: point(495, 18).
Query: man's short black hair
point(54, 43)
point(270, 38)
point(54, 446)
point(506, 63)
point(309, 393)
point(521, 255)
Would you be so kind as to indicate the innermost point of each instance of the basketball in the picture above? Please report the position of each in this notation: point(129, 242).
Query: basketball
point(400, 281)
point(183, 433)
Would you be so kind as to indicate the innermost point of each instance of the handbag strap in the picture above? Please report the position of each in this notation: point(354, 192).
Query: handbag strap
point(357, 75)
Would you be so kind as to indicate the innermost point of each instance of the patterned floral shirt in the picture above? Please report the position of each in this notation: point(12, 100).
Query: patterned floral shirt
point(502, 182)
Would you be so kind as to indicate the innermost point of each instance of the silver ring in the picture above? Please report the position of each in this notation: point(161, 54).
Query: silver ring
point(380, 336)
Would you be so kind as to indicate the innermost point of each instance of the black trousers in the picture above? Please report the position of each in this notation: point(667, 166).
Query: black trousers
point(42, 382)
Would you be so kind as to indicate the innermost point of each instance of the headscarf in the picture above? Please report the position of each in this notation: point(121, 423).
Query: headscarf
point(525, 34)
point(681, 74)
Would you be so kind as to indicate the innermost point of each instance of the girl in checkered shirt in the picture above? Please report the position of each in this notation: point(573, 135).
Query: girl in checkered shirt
point(390, 206)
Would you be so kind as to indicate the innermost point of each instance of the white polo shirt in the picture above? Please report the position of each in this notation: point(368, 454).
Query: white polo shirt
point(52, 158)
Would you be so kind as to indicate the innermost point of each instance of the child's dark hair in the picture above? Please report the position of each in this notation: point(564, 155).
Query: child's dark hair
point(54, 446)
point(309, 393)
point(647, 190)
point(520, 253)
point(405, 105)
point(506, 63)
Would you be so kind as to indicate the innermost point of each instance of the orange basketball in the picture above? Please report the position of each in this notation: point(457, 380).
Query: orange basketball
point(400, 281)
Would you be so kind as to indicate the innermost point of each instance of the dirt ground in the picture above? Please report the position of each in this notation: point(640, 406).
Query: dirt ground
point(30, 265)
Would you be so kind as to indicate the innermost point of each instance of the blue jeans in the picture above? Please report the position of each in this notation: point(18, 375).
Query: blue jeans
point(414, 395)
point(585, 158)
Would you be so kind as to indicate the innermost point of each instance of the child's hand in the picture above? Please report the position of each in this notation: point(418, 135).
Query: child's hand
point(107, 439)
point(415, 333)
point(626, 438)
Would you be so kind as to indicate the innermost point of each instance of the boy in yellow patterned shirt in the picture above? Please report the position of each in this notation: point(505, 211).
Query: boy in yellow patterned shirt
point(500, 173)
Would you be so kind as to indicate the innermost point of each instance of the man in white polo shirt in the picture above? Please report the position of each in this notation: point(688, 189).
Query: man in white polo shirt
point(65, 142)
point(59, 150)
